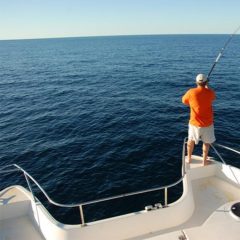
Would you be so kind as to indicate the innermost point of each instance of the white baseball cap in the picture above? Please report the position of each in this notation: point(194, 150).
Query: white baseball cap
point(201, 78)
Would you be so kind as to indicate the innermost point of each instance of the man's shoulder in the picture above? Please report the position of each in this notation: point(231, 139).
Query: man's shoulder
point(210, 90)
point(188, 92)
point(197, 91)
point(192, 90)
point(205, 89)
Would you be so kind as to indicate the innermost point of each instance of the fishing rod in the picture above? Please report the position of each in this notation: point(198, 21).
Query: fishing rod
point(221, 52)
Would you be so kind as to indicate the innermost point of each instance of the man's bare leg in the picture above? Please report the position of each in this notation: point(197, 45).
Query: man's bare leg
point(205, 153)
point(190, 147)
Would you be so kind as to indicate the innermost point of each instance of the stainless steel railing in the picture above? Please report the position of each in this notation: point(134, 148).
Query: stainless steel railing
point(224, 147)
point(29, 178)
point(229, 149)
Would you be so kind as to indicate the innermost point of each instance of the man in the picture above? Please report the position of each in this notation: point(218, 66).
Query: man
point(201, 127)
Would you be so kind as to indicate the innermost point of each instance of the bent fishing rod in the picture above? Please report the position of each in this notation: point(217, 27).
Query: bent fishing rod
point(221, 52)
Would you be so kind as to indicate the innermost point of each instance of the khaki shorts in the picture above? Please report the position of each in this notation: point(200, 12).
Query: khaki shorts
point(206, 134)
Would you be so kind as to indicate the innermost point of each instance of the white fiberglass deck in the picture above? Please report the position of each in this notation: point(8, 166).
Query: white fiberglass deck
point(203, 212)
point(19, 228)
point(211, 218)
point(15, 221)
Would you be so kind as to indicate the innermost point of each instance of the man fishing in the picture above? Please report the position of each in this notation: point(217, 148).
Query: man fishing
point(201, 126)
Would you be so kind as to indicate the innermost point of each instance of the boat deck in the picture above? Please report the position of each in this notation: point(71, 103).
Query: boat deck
point(210, 219)
point(213, 198)
point(15, 224)
point(20, 228)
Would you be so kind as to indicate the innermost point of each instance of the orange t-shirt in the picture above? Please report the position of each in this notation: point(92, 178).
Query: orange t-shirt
point(200, 100)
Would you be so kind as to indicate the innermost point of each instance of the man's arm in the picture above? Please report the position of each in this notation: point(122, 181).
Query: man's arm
point(185, 98)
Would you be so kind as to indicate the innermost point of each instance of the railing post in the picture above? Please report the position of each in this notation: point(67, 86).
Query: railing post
point(165, 196)
point(29, 186)
point(218, 153)
point(34, 199)
point(81, 214)
point(183, 156)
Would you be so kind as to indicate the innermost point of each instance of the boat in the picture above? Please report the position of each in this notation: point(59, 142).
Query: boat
point(209, 209)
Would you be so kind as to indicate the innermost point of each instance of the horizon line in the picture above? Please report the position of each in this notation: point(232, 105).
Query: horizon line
point(114, 35)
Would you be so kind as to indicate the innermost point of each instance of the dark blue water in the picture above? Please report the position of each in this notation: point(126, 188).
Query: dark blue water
point(100, 116)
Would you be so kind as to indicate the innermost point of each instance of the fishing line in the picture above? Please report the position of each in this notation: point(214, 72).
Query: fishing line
point(221, 52)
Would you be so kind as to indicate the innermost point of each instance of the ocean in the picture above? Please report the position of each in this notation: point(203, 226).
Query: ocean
point(94, 117)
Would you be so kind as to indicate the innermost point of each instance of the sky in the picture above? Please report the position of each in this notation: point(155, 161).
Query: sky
point(24, 19)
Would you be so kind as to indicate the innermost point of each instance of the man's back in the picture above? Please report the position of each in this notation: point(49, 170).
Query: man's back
point(200, 101)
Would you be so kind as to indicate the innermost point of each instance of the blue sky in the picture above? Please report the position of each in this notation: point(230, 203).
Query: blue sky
point(66, 18)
